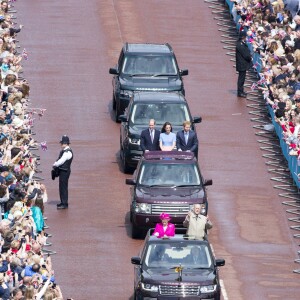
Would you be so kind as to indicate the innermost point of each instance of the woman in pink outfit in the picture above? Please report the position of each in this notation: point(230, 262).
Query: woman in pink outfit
point(164, 229)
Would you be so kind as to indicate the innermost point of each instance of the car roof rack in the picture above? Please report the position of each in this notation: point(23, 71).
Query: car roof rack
point(176, 155)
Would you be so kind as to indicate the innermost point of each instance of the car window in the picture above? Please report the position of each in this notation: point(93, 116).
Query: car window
point(176, 113)
point(153, 173)
point(149, 65)
point(171, 255)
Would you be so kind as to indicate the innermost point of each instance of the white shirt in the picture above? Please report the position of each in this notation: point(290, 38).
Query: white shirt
point(66, 156)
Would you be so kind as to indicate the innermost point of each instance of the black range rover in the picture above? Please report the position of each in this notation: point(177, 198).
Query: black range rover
point(176, 268)
point(162, 107)
point(144, 67)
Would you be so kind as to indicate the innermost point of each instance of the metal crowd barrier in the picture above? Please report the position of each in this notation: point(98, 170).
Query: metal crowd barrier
point(283, 167)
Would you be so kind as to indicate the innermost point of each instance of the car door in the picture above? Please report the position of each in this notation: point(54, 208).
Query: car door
point(116, 80)
point(124, 127)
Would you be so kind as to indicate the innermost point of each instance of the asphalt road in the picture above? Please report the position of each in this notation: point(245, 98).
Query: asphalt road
point(71, 45)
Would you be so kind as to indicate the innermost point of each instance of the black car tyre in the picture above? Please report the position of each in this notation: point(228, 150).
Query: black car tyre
point(218, 296)
point(113, 101)
point(135, 231)
point(117, 113)
point(137, 297)
point(126, 168)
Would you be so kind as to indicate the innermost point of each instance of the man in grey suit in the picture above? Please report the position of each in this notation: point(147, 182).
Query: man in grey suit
point(186, 139)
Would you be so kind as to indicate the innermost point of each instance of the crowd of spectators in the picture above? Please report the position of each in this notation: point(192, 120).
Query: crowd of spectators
point(25, 268)
point(273, 32)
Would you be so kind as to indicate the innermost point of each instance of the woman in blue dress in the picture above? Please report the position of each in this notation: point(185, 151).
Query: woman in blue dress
point(167, 139)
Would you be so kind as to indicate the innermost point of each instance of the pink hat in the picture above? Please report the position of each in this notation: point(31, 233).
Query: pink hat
point(164, 216)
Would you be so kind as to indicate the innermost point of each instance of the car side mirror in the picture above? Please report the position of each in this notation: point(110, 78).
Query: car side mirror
point(184, 72)
point(135, 260)
point(208, 182)
point(197, 119)
point(220, 262)
point(122, 118)
point(130, 181)
point(113, 71)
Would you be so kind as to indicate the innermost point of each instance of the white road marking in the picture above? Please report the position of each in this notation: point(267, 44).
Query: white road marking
point(223, 290)
point(224, 293)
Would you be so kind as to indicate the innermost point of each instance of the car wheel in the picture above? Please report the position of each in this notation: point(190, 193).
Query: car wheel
point(130, 217)
point(114, 102)
point(135, 231)
point(137, 297)
point(117, 114)
point(126, 168)
point(218, 296)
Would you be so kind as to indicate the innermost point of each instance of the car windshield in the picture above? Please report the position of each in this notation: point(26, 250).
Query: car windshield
point(176, 113)
point(157, 173)
point(171, 255)
point(135, 65)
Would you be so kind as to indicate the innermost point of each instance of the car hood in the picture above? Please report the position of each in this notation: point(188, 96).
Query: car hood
point(170, 277)
point(151, 83)
point(158, 194)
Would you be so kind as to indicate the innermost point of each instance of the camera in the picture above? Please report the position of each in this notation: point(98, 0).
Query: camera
point(25, 131)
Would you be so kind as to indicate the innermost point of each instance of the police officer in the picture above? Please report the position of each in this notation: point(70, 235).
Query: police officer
point(63, 163)
point(243, 62)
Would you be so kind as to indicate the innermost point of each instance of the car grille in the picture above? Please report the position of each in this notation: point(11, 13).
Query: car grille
point(179, 290)
point(173, 209)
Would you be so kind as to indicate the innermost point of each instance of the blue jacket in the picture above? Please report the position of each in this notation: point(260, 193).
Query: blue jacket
point(38, 218)
point(4, 293)
point(30, 273)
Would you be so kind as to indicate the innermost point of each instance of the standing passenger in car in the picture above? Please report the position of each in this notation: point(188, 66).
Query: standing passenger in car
point(197, 224)
point(150, 138)
point(164, 229)
point(186, 139)
point(167, 139)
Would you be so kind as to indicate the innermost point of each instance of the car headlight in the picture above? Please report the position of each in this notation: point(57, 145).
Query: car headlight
point(143, 208)
point(208, 288)
point(149, 287)
point(126, 93)
point(134, 141)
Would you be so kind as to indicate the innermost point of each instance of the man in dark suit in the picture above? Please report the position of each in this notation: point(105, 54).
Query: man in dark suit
point(186, 139)
point(243, 62)
point(150, 138)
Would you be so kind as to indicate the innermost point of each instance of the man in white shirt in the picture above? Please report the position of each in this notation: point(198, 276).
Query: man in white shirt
point(63, 163)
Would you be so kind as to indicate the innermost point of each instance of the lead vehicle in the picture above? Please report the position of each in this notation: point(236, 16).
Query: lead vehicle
point(165, 181)
point(144, 67)
point(179, 267)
